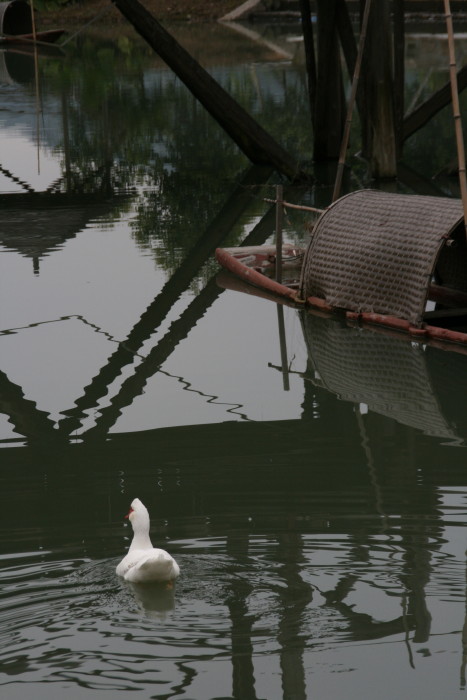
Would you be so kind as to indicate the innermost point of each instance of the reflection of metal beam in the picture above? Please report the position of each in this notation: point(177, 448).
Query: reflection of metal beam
point(178, 330)
point(22, 413)
point(220, 227)
point(9, 174)
point(134, 385)
point(361, 626)
point(92, 202)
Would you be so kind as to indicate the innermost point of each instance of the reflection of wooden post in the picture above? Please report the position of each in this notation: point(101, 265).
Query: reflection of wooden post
point(280, 309)
point(464, 645)
point(283, 346)
point(66, 139)
point(295, 596)
point(328, 118)
point(378, 117)
point(243, 672)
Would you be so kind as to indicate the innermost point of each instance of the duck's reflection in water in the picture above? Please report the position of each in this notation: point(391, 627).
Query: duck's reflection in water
point(155, 600)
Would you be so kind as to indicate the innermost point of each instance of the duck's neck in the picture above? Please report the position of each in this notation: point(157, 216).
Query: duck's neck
point(141, 540)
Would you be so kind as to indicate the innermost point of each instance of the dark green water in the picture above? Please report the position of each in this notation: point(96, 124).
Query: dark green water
point(320, 530)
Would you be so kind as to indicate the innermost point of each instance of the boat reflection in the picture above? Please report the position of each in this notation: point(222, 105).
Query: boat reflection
point(417, 385)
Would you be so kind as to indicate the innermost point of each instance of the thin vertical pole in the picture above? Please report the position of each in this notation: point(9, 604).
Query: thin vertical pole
point(310, 60)
point(36, 80)
point(279, 217)
point(456, 110)
point(353, 94)
point(280, 308)
point(399, 70)
point(328, 118)
point(283, 347)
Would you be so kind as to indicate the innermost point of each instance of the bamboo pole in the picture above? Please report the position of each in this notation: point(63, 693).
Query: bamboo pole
point(353, 94)
point(456, 110)
point(301, 207)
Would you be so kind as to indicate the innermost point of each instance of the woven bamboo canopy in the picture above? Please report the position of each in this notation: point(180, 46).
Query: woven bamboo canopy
point(377, 252)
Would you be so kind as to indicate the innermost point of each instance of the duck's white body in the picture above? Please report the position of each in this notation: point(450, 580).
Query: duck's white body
point(145, 563)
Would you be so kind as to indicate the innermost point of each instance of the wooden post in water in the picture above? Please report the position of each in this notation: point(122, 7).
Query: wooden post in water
point(378, 119)
point(328, 118)
point(456, 110)
point(280, 308)
point(353, 95)
point(250, 137)
point(310, 60)
point(283, 347)
point(399, 71)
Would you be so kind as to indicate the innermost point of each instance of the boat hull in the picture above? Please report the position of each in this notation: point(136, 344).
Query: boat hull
point(270, 289)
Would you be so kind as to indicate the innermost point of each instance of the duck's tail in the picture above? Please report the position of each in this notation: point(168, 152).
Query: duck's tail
point(158, 566)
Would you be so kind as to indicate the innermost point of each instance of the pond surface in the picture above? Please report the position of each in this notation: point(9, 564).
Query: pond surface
point(316, 505)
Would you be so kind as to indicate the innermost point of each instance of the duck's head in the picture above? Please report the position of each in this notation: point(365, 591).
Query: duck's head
point(138, 515)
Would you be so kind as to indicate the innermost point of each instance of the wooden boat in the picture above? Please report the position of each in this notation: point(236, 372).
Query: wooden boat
point(50, 36)
point(255, 278)
point(17, 25)
point(374, 259)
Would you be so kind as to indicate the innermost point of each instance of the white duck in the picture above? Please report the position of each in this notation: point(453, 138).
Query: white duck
point(144, 563)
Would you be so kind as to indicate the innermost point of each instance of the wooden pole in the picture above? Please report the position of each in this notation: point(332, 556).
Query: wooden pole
point(279, 217)
point(399, 70)
point(36, 81)
point(250, 137)
point(456, 110)
point(328, 118)
point(310, 60)
point(283, 347)
point(377, 81)
point(353, 94)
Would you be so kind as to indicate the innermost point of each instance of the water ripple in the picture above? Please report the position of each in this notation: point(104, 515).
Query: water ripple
point(66, 618)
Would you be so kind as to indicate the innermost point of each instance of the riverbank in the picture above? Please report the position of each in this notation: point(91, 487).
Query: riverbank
point(79, 13)
point(83, 11)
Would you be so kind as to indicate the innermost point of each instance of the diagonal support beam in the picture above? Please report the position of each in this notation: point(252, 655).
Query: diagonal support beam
point(256, 143)
point(422, 114)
